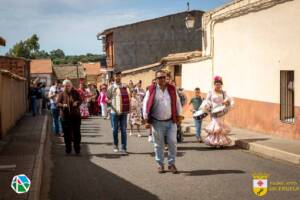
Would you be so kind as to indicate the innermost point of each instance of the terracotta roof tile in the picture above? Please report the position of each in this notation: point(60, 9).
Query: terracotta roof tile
point(92, 68)
point(41, 66)
point(69, 72)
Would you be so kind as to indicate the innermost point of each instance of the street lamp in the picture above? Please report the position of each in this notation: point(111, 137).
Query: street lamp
point(190, 19)
point(2, 41)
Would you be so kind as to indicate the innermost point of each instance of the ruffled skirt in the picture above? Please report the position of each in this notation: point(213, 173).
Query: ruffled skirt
point(84, 111)
point(135, 118)
point(217, 133)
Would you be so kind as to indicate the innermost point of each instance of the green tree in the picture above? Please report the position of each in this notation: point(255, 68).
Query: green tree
point(33, 43)
point(30, 49)
point(57, 53)
point(26, 48)
point(19, 50)
point(41, 54)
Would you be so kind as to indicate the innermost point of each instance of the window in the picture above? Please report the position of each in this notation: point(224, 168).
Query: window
point(177, 70)
point(287, 94)
point(177, 74)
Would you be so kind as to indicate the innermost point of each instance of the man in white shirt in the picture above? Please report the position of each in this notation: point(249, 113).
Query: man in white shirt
point(162, 109)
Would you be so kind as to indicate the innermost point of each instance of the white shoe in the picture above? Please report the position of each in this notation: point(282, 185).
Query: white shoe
point(115, 149)
point(130, 133)
point(150, 139)
point(139, 135)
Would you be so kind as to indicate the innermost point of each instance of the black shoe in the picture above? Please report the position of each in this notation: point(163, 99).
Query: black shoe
point(68, 151)
point(173, 169)
point(161, 169)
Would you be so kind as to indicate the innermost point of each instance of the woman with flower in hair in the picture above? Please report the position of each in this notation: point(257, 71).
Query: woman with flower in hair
point(217, 100)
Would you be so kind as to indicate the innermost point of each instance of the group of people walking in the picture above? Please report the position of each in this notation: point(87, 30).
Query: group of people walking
point(94, 101)
point(162, 113)
point(158, 108)
point(37, 97)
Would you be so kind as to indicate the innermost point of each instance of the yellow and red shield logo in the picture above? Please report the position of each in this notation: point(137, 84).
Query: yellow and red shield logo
point(260, 184)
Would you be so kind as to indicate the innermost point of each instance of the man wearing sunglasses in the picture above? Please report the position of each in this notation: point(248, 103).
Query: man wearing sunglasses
point(162, 109)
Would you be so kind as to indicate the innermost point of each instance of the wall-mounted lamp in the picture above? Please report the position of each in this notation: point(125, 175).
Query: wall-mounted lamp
point(190, 19)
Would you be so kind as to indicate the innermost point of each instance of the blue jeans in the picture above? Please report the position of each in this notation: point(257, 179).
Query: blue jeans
point(198, 124)
point(160, 129)
point(55, 120)
point(33, 105)
point(119, 121)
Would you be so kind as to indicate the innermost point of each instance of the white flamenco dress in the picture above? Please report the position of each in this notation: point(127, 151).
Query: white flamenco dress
point(217, 129)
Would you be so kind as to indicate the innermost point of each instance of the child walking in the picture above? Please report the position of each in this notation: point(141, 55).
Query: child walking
point(196, 102)
point(102, 101)
point(135, 117)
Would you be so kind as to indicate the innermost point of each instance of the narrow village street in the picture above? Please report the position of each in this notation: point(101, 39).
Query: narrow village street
point(205, 173)
point(82, 82)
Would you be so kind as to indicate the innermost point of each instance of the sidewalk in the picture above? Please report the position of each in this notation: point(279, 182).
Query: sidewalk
point(262, 144)
point(20, 153)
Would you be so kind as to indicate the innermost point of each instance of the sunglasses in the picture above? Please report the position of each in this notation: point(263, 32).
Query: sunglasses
point(161, 77)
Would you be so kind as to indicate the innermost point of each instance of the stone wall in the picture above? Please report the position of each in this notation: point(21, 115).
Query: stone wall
point(147, 42)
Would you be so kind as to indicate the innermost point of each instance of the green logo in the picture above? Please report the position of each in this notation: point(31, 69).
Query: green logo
point(20, 184)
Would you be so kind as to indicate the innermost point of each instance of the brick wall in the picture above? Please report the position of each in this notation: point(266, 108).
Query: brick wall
point(19, 66)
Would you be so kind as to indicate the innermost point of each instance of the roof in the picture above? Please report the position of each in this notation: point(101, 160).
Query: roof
point(181, 57)
point(41, 66)
point(70, 72)
point(238, 8)
point(92, 68)
point(107, 31)
point(177, 58)
point(139, 69)
point(2, 41)
point(12, 75)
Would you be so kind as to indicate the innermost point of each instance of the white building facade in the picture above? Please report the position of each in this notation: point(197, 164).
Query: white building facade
point(254, 46)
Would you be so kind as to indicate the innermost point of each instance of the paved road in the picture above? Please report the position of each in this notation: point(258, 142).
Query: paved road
point(20, 151)
point(205, 173)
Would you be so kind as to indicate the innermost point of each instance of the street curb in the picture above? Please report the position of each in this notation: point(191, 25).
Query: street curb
point(34, 193)
point(4, 142)
point(267, 151)
point(260, 149)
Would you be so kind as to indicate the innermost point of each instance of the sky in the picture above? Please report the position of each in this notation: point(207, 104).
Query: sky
point(72, 25)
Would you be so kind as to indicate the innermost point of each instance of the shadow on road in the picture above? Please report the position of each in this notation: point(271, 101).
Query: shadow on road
point(201, 148)
point(100, 143)
point(76, 178)
point(152, 154)
point(92, 136)
point(107, 155)
point(116, 155)
point(188, 142)
point(253, 139)
point(210, 172)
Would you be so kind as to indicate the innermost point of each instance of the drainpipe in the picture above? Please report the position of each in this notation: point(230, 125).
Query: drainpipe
point(252, 7)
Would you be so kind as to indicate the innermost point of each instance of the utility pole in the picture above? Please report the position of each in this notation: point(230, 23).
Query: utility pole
point(78, 81)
